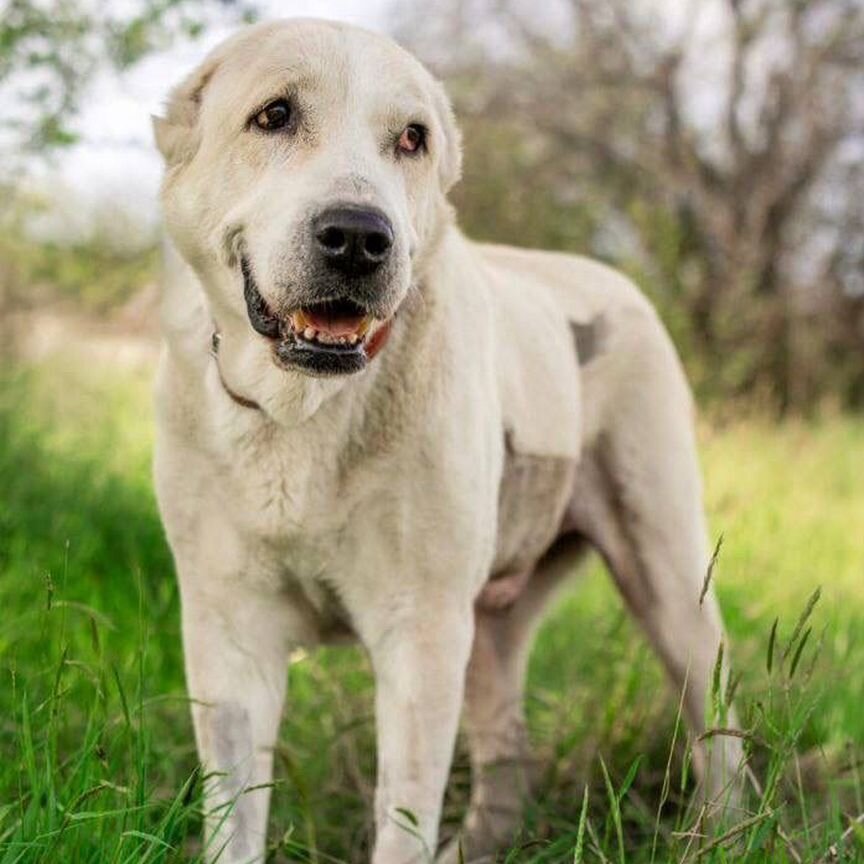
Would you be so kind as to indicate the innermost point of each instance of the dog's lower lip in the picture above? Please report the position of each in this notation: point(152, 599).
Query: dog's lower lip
point(319, 359)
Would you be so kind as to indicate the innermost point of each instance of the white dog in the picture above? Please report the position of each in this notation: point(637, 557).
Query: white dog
point(370, 426)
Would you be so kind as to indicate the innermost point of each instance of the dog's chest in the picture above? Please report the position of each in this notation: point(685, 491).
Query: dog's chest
point(309, 510)
point(283, 490)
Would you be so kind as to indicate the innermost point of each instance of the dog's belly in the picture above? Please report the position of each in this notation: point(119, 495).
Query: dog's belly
point(531, 504)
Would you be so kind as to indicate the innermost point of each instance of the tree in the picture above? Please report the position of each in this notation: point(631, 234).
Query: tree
point(50, 51)
point(744, 221)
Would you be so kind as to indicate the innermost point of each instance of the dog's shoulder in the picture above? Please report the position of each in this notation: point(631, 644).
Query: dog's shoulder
point(536, 365)
point(557, 317)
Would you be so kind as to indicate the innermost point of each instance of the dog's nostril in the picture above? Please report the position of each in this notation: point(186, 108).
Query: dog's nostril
point(333, 239)
point(356, 241)
point(377, 244)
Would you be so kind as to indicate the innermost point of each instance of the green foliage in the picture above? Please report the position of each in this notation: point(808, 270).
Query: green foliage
point(92, 274)
point(50, 51)
point(530, 212)
point(98, 761)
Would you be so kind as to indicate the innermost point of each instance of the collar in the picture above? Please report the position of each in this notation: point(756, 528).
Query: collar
point(376, 343)
point(242, 401)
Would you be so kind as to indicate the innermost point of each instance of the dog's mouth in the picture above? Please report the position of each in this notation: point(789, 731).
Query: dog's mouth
point(331, 337)
point(336, 324)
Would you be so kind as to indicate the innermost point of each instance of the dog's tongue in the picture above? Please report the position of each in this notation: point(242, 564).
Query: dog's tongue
point(335, 323)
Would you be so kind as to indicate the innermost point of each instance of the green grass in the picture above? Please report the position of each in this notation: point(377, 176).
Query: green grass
point(98, 763)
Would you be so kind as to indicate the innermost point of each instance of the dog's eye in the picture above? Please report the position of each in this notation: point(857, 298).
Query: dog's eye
point(274, 116)
point(413, 139)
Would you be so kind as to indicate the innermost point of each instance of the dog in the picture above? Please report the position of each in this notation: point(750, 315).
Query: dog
point(370, 427)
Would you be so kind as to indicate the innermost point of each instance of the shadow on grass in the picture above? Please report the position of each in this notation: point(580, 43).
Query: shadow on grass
point(86, 586)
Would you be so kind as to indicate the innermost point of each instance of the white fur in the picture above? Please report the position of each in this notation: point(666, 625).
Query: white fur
point(370, 503)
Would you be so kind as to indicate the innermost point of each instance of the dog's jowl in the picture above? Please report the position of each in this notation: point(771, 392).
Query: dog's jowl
point(370, 426)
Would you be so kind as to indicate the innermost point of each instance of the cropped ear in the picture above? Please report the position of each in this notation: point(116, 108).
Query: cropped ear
point(176, 134)
point(450, 157)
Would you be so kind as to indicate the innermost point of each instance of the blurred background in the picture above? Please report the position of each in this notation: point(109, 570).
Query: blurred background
point(712, 149)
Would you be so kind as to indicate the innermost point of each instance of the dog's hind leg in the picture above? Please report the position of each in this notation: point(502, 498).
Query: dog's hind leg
point(638, 499)
point(494, 713)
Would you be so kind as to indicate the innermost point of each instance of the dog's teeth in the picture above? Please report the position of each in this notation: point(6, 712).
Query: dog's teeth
point(323, 337)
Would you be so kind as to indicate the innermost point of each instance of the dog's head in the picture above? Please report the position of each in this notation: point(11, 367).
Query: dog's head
point(307, 169)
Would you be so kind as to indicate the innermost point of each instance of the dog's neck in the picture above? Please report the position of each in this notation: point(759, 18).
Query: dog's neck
point(246, 373)
point(376, 343)
point(242, 401)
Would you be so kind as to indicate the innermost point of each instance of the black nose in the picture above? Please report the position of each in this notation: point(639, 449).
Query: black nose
point(355, 242)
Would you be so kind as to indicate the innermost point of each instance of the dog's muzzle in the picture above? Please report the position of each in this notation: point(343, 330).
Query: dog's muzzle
point(335, 336)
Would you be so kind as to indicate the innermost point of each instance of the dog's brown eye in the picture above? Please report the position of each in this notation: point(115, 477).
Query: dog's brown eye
point(412, 139)
point(274, 116)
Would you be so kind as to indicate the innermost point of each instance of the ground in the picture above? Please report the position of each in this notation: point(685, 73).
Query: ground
point(98, 763)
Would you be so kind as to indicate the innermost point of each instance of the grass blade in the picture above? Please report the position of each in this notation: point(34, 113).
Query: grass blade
point(798, 651)
point(615, 810)
point(772, 642)
point(710, 571)
point(802, 621)
point(580, 831)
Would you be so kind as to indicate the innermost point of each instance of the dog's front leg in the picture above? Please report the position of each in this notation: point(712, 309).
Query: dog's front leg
point(419, 659)
point(236, 643)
